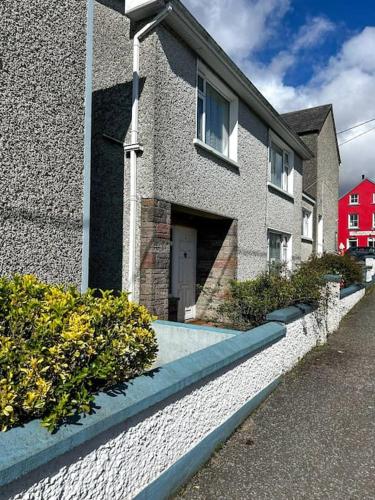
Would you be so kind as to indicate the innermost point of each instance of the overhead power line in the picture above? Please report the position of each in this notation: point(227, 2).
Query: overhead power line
point(359, 135)
point(355, 126)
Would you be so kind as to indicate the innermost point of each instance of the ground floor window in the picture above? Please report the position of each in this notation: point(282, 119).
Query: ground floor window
point(352, 242)
point(306, 223)
point(371, 242)
point(279, 249)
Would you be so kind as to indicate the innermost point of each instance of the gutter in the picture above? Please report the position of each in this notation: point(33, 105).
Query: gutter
point(134, 147)
point(87, 146)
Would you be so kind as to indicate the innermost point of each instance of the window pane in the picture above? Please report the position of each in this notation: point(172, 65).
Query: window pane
point(200, 84)
point(217, 120)
point(200, 119)
point(276, 166)
point(353, 220)
point(286, 172)
point(275, 248)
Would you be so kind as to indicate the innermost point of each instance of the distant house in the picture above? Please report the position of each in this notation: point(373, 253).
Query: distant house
point(192, 178)
point(316, 127)
point(357, 216)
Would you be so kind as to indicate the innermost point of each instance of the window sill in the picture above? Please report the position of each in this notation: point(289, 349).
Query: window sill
point(200, 144)
point(307, 239)
point(280, 190)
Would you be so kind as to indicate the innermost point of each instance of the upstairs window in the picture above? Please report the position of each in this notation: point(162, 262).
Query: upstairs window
point(217, 114)
point(353, 221)
point(373, 221)
point(281, 174)
point(373, 198)
point(306, 224)
point(354, 199)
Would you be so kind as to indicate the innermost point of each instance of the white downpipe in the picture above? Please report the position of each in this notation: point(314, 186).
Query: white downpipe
point(134, 141)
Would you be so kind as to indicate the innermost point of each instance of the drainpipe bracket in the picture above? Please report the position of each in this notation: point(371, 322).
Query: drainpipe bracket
point(133, 147)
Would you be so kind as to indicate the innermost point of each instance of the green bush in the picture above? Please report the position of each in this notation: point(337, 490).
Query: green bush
point(59, 347)
point(248, 302)
point(350, 270)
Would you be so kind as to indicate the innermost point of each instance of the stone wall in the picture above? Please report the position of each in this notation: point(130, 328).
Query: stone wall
point(155, 255)
point(216, 264)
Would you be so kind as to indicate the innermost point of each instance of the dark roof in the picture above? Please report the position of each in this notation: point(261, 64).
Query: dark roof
point(308, 120)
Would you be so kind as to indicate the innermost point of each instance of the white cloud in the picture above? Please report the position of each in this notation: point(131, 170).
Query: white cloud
point(347, 79)
point(312, 33)
point(239, 26)
point(348, 82)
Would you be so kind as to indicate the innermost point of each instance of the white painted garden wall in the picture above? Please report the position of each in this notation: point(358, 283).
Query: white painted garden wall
point(347, 303)
point(122, 462)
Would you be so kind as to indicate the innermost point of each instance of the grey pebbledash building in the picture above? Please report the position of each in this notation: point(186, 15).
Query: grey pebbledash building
point(192, 177)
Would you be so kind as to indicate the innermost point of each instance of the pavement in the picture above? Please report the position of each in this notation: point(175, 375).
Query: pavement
point(314, 438)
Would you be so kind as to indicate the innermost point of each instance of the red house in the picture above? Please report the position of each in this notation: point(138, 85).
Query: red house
point(357, 216)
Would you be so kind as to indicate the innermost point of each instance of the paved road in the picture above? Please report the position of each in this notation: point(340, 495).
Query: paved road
point(314, 438)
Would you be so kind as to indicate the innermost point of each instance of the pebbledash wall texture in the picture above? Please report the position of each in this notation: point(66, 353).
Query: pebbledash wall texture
point(328, 186)
point(42, 90)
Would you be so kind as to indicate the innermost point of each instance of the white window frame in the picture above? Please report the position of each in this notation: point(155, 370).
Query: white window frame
point(208, 76)
point(351, 202)
point(350, 226)
point(373, 220)
point(307, 213)
point(373, 198)
point(287, 179)
point(288, 236)
point(351, 239)
point(372, 241)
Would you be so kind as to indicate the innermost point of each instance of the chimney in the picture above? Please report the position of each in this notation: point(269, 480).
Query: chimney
point(363, 177)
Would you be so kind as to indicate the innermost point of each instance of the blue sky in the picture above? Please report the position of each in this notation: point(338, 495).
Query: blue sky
point(303, 53)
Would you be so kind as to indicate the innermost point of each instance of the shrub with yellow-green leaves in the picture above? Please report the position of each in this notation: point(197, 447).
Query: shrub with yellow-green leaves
point(58, 347)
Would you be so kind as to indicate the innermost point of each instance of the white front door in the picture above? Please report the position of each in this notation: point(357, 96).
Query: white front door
point(320, 246)
point(184, 265)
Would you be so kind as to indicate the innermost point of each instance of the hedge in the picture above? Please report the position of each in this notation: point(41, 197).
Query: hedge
point(248, 302)
point(58, 347)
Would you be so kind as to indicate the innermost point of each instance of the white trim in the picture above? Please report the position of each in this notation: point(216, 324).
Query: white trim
point(351, 239)
point(307, 239)
point(274, 138)
point(289, 259)
point(86, 208)
point(228, 95)
point(349, 224)
point(203, 145)
point(371, 239)
point(309, 233)
point(373, 220)
point(280, 190)
point(353, 202)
